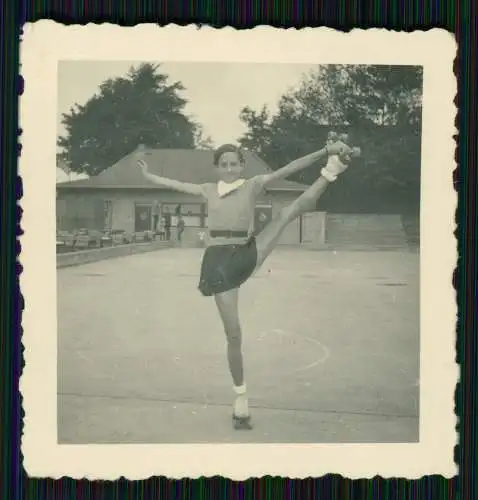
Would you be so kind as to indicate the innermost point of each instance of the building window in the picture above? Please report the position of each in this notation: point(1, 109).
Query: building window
point(192, 213)
point(182, 208)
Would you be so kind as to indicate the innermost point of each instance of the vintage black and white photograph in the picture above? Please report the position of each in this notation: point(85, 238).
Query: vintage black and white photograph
point(269, 217)
point(238, 251)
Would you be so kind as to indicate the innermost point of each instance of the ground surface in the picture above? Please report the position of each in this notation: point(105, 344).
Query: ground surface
point(331, 350)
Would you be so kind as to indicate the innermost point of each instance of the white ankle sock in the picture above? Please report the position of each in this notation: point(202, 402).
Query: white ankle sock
point(241, 404)
point(240, 389)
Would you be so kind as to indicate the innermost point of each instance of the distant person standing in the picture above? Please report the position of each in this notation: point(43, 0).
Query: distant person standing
point(167, 223)
point(156, 215)
point(161, 230)
point(180, 227)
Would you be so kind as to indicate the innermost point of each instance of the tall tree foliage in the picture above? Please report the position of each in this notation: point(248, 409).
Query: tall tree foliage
point(141, 107)
point(380, 107)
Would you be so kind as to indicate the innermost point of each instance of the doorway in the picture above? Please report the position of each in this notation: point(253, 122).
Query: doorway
point(142, 218)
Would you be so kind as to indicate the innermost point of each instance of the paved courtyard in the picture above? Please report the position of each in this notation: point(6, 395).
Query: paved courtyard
point(331, 350)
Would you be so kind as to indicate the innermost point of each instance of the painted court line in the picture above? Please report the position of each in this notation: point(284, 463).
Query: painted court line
point(325, 351)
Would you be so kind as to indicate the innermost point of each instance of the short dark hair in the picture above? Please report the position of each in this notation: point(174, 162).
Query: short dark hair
point(227, 148)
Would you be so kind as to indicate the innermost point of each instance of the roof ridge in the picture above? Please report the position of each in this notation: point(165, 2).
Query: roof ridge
point(187, 165)
point(261, 160)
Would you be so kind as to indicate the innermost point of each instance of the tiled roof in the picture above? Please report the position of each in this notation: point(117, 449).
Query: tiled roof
point(187, 165)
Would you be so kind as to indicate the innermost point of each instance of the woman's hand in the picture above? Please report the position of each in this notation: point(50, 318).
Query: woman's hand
point(141, 163)
point(139, 158)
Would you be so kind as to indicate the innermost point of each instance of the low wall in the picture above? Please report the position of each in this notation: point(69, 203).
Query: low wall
point(365, 230)
point(97, 254)
point(313, 230)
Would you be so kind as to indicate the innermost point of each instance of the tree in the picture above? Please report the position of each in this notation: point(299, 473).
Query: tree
point(379, 106)
point(202, 141)
point(141, 108)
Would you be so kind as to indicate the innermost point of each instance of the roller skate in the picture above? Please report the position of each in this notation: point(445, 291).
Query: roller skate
point(340, 155)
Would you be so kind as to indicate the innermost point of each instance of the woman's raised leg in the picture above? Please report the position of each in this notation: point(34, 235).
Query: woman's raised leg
point(337, 163)
point(267, 239)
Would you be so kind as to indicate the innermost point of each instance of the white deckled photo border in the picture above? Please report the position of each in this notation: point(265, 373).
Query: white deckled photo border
point(44, 44)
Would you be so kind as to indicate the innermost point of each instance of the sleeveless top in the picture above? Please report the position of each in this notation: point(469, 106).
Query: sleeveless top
point(233, 211)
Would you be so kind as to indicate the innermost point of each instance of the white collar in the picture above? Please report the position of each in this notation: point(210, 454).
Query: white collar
point(224, 188)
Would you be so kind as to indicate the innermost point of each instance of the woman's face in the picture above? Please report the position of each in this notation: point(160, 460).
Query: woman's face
point(230, 168)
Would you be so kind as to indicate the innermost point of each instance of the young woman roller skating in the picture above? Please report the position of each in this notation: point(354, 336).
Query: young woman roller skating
point(233, 254)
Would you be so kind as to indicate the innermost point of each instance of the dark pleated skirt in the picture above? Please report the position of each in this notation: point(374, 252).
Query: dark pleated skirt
point(225, 267)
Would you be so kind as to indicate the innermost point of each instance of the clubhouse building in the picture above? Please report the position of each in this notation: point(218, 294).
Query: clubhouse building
point(120, 198)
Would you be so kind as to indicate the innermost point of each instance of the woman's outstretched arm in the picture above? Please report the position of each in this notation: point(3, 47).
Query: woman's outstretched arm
point(183, 187)
point(338, 148)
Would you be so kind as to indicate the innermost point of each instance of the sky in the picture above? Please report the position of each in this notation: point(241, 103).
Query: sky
point(216, 91)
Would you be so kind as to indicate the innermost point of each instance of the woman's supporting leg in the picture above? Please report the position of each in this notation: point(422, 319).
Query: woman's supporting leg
point(267, 239)
point(227, 304)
